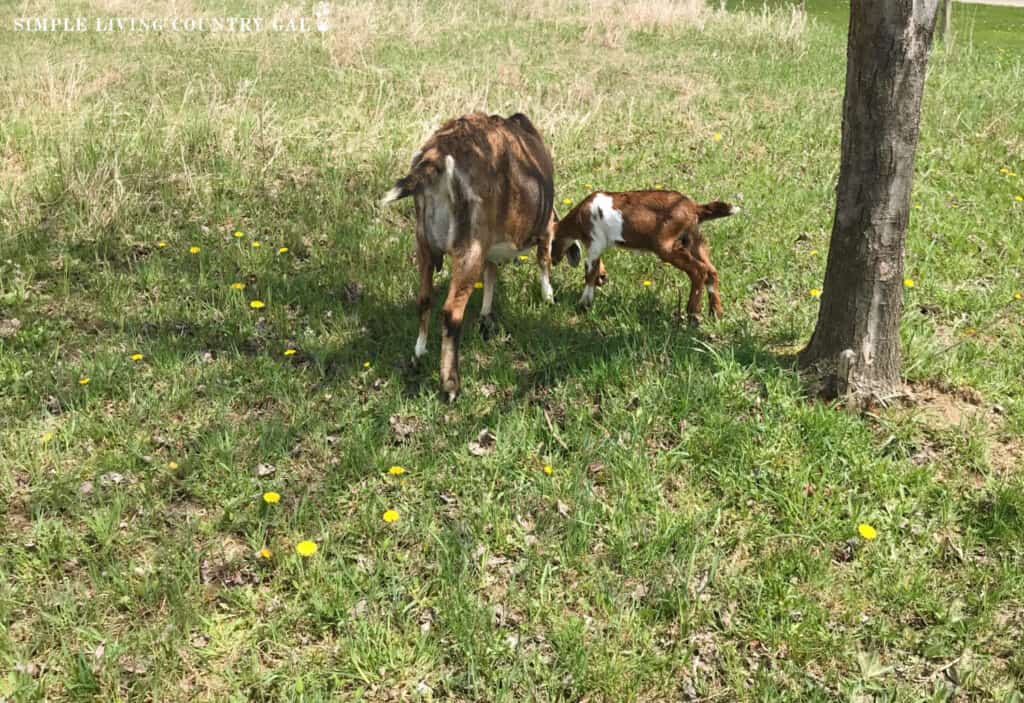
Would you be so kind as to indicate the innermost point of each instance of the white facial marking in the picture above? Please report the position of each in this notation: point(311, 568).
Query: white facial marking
point(421, 345)
point(588, 296)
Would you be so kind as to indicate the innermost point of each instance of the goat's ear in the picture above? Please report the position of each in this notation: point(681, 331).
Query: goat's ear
point(574, 254)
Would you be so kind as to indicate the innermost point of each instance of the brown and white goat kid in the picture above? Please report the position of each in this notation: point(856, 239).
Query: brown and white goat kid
point(660, 221)
point(483, 187)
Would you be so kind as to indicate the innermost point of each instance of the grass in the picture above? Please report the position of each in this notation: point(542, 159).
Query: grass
point(697, 535)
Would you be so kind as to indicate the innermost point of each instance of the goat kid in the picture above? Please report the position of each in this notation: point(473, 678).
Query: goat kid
point(663, 222)
point(483, 188)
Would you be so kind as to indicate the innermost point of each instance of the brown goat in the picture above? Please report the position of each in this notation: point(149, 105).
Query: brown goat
point(660, 221)
point(483, 188)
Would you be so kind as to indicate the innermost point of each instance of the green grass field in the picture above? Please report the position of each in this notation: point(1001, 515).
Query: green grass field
point(696, 536)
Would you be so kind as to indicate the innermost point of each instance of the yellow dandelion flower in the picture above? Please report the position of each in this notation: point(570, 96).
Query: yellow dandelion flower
point(265, 553)
point(917, 207)
point(161, 245)
point(478, 285)
point(306, 548)
point(84, 381)
point(289, 352)
point(908, 282)
point(47, 436)
point(1018, 296)
point(970, 332)
point(815, 292)
point(271, 497)
point(366, 364)
point(136, 357)
point(1011, 174)
point(396, 470)
point(1004, 171)
point(238, 285)
point(566, 201)
point(588, 185)
point(194, 250)
point(255, 245)
point(867, 531)
point(659, 186)
point(172, 465)
point(814, 252)
point(282, 250)
point(717, 136)
point(647, 283)
point(1019, 198)
point(390, 516)
point(548, 469)
point(524, 257)
point(257, 304)
point(238, 235)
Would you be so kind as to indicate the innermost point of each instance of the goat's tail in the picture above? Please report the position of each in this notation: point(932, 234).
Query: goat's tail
point(714, 210)
point(423, 171)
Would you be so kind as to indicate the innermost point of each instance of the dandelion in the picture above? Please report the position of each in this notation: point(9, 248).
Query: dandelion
point(306, 548)
point(548, 469)
point(265, 553)
point(1019, 198)
point(255, 245)
point(647, 283)
point(524, 257)
point(917, 207)
point(390, 516)
point(1018, 296)
point(47, 436)
point(271, 498)
point(238, 234)
point(396, 470)
point(161, 245)
point(84, 381)
point(172, 465)
point(566, 201)
point(289, 352)
point(970, 332)
point(193, 250)
point(814, 252)
point(717, 136)
point(1005, 171)
point(282, 250)
point(659, 186)
point(815, 292)
point(867, 531)
point(238, 285)
point(366, 364)
point(136, 357)
point(257, 304)
point(908, 283)
point(478, 285)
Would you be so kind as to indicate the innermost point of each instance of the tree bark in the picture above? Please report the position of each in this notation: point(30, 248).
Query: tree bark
point(857, 331)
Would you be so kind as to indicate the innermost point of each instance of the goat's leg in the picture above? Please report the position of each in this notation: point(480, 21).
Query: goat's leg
point(544, 269)
point(466, 269)
point(594, 271)
point(682, 260)
point(424, 300)
point(714, 290)
point(487, 323)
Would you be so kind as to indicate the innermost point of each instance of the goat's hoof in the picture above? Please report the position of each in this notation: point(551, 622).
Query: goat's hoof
point(693, 319)
point(450, 390)
point(488, 327)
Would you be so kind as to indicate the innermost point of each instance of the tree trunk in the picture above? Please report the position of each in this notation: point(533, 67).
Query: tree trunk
point(857, 334)
point(947, 22)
